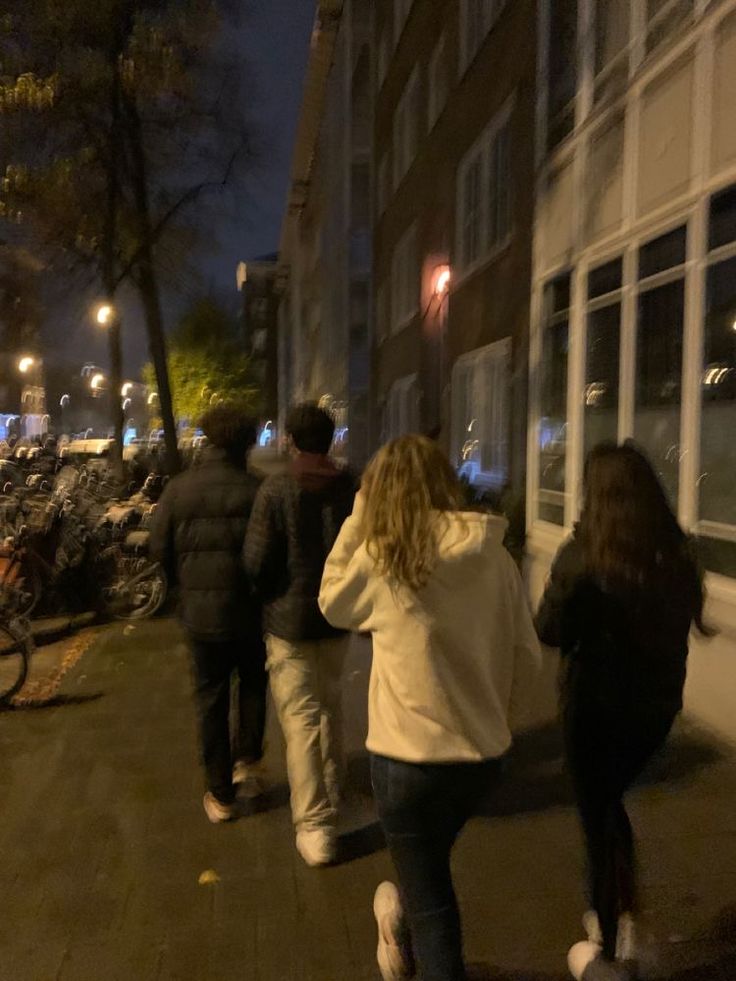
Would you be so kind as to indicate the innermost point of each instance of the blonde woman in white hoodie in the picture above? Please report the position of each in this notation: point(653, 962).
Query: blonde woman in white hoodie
point(455, 662)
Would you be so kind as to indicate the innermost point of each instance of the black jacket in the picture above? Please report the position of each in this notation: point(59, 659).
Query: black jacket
point(622, 653)
point(296, 519)
point(197, 532)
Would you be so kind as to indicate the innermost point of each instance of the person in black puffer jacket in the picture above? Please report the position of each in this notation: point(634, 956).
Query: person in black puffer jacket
point(622, 596)
point(295, 521)
point(197, 533)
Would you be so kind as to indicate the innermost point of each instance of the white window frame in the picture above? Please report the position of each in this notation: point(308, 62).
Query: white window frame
point(405, 280)
point(438, 82)
point(483, 150)
point(490, 11)
point(488, 370)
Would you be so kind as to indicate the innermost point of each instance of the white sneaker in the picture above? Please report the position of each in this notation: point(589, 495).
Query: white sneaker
point(216, 811)
point(249, 779)
point(586, 964)
point(393, 955)
point(592, 927)
point(317, 846)
point(626, 946)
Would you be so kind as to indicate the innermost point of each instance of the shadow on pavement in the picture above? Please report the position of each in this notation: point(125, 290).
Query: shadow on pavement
point(361, 843)
point(535, 777)
point(274, 799)
point(56, 701)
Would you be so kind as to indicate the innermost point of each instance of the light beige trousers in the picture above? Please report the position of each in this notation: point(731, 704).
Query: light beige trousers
point(305, 679)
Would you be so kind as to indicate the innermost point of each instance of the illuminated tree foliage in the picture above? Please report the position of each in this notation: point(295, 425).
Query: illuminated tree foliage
point(115, 115)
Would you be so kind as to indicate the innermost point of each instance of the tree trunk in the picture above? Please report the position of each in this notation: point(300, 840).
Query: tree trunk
point(147, 282)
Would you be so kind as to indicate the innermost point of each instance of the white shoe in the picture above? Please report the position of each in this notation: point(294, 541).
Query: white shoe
point(587, 964)
point(216, 811)
point(249, 779)
point(317, 846)
point(393, 955)
point(626, 946)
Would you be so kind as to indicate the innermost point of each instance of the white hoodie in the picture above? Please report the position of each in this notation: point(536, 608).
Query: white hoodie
point(455, 665)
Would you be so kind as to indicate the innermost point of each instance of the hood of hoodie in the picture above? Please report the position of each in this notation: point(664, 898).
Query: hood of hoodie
point(469, 532)
point(314, 472)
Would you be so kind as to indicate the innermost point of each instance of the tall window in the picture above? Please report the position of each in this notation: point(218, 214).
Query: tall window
point(405, 280)
point(383, 312)
point(561, 70)
point(438, 82)
point(602, 354)
point(407, 127)
point(611, 67)
point(661, 317)
point(383, 57)
point(553, 401)
point(480, 415)
point(477, 17)
point(401, 412)
point(383, 183)
point(484, 196)
point(717, 506)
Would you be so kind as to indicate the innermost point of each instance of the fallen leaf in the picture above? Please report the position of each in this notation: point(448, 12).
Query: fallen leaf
point(209, 878)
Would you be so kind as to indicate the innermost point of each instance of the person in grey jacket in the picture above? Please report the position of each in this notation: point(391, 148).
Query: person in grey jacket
point(197, 533)
point(296, 519)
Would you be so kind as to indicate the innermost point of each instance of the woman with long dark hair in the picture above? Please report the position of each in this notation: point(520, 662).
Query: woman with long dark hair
point(455, 663)
point(622, 596)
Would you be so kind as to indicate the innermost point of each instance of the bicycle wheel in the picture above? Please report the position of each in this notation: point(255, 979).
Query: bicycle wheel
point(15, 653)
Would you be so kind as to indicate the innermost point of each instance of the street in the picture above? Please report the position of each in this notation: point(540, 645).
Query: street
point(111, 870)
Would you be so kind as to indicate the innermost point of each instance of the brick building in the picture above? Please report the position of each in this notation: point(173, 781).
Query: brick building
point(453, 153)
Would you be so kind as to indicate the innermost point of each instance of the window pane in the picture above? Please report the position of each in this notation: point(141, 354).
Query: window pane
point(602, 376)
point(562, 72)
point(723, 219)
point(498, 190)
point(611, 31)
point(471, 212)
point(659, 378)
point(664, 18)
point(553, 423)
point(663, 253)
point(718, 427)
point(605, 279)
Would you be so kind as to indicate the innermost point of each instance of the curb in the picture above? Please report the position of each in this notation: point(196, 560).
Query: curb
point(49, 630)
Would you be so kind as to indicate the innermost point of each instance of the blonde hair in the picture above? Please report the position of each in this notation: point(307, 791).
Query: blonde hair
point(406, 481)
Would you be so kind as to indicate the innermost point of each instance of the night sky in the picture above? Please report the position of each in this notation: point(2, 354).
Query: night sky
point(245, 221)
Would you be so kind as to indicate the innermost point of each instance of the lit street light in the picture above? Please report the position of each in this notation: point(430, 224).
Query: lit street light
point(126, 389)
point(25, 365)
point(105, 313)
point(97, 382)
point(152, 398)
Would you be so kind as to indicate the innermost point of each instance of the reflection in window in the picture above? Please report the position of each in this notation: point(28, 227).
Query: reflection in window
point(602, 375)
point(659, 379)
point(553, 401)
point(718, 424)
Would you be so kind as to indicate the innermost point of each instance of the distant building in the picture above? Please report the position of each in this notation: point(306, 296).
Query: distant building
point(325, 252)
point(453, 152)
point(257, 282)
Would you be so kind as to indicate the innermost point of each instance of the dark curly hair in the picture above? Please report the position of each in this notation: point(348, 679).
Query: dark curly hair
point(229, 428)
point(310, 427)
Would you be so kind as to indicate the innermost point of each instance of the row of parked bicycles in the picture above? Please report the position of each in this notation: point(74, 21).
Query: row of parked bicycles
point(71, 541)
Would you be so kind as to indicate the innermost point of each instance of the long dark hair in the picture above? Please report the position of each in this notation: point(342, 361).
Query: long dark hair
point(630, 535)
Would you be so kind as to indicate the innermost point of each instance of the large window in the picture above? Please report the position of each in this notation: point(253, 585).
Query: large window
point(405, 284)
point(717, 508)
point(552, 447)
point(612, 48)
point(383, 183)
point(383, 312)
point(661, 314)
point(484, 197)
point(603, 339)
point(402, 9)
point(480, 415)
point(407, 127)
point(384, 48)
point(562, 71)
point(438, 82)
point(401, 411)
point(477, 17)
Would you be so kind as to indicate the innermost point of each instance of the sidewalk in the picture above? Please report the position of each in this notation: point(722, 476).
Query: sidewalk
point(104, 842)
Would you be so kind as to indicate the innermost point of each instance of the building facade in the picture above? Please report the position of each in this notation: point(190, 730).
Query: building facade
point(634, 278)
point(324, 258)
point(257, 283)
point(453, 157)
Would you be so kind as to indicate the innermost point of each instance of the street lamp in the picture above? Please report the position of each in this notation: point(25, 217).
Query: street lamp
point(152, 398)
point(442, 280)
point(97, 382)
point(25, 365)
point(126, 389)
point(105, 313)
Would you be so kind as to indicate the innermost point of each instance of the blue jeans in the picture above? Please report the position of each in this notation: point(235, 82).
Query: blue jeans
point(422, 808)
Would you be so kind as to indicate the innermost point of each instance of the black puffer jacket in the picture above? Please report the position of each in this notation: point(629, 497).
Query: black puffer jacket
point(295, 521)
point(197, 533)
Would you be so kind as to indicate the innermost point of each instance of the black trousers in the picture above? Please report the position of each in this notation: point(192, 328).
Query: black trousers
point(231, 726)
point(605, 756)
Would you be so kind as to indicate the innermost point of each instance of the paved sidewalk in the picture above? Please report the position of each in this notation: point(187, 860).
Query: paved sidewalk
point(103, 843)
